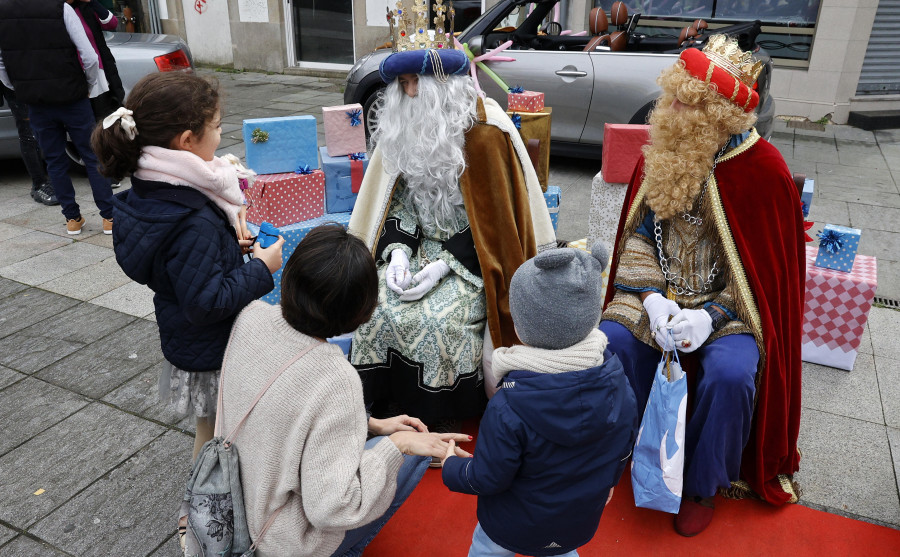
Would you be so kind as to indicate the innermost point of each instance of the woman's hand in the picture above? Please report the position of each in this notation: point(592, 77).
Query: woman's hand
point(428, 444)
point(388, 426)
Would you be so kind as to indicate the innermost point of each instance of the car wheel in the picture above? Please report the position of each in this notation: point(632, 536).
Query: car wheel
point(370, 108)
point(73, 153)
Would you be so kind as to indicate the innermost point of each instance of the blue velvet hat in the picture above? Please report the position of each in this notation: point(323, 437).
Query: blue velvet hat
point(422, 62)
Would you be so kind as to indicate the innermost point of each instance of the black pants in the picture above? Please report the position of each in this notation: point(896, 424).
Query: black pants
point(31, 151)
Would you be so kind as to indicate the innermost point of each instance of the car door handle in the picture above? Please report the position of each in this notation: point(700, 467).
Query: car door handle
point(571, 73)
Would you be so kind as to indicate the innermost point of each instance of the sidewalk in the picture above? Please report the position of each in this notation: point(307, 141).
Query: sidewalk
point(92, 464)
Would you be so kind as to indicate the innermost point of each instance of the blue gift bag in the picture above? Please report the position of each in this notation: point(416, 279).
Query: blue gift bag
point(657, 466)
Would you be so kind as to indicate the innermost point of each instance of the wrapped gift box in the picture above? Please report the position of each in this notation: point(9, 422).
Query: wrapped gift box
point(836, 310)
point(292, 142)
point(806, 196)
point(552, 197)
point(292, 235)
point(536, 126)
point(843, 252)
point(526, 101)
point(345, 131)
point(621, 150)
point(286, 198)
point(344, 341)
point(606, 208)
point(343, 177)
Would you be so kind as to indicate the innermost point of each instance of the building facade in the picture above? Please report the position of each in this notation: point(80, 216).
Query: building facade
point(832, 56)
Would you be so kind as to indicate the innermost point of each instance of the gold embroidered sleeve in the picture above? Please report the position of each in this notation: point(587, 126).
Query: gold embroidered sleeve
point(638, 269)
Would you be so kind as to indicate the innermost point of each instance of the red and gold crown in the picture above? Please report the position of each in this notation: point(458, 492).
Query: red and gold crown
point(722, 63)
point(409, 26)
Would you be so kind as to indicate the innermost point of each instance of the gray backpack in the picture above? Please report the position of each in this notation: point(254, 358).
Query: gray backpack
point(213, 499)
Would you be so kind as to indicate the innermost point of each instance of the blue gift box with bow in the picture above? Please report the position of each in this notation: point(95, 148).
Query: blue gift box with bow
point(837, 247)
point(281, 144)
point(342, 180)
point(552, 197)
point(292, 235)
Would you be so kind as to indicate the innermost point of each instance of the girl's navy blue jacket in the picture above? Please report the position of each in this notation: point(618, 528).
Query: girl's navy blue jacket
point(177, 242)
point(549, 448)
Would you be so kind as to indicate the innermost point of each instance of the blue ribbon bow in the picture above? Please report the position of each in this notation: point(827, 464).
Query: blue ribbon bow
point(357, 156)
point(355, 117)
point(830, 240)
point(517, 120)
point(517, 89)
point(303, 169)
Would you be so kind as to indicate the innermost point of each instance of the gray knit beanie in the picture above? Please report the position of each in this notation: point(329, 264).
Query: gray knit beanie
point(554, 297)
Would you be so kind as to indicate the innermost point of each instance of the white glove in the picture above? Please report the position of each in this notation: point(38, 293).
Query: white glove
point(691, 328)
point(397, 276)
point(659, 308)
point(425, 280)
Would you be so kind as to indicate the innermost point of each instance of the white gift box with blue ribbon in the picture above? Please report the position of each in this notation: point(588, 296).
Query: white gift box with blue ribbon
point(837, 247)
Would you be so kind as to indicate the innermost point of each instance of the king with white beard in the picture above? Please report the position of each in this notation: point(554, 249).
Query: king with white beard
point(450, 206)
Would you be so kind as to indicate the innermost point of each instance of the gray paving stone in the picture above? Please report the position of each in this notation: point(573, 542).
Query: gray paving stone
point(888, 136)
point(102, 240)
point(131, 509)
point(5, 535)
point(170, 549)
point(784, 146)
point(875, 218)
point(829, 211)
point(230, 128)
point(66, 458)
point(140, 396)
point(881, 244)
point(25, 246)
point(852, 134)
point(889, 279)
point(866, 197)
point(889, 383)
point(24, 546)
point(29, 306)
point(131, 298)
point(31, 406)
point(52, 339)
point(814, 154)
point(853, 394)
point(15, 206)
point(91, 281)
point(229, 141)
point(884, 324)
point(847, 466)
point(894, 442)
point(10, 287)
point(11, 231)
point(8, 377)
point(100, 367)
point(882, 183)
point(866, 158)
point(56, 263)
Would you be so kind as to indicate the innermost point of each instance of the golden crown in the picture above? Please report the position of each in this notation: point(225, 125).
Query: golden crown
point(725, 53)
point(409, 26)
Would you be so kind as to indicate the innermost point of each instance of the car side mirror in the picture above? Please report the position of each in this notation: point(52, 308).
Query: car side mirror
point(476, 45)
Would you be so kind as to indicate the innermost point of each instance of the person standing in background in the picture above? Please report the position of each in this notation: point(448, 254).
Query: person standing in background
point(41, 188)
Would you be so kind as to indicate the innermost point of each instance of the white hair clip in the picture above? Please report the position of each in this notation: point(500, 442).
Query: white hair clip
point(127, 121)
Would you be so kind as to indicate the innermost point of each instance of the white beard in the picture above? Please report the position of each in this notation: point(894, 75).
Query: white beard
point(423, 138)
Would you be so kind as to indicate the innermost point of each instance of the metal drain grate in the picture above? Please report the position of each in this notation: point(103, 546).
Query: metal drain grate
point(887, 302)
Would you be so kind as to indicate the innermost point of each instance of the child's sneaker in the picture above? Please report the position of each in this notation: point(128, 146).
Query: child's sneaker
point(73, 226)
point(107, 226)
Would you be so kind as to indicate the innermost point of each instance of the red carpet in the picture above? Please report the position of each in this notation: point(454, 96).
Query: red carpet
point(437, 522)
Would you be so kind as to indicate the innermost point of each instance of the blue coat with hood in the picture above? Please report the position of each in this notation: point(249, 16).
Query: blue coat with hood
point(549, 448)
point(177, 242)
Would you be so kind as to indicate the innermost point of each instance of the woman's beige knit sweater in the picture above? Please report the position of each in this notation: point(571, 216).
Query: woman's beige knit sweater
point(303, 443)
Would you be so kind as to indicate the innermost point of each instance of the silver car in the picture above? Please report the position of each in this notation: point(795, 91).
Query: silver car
point(585, 88)
point(136, 54)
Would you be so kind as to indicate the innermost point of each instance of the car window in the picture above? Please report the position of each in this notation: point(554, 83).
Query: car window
point(516, 16)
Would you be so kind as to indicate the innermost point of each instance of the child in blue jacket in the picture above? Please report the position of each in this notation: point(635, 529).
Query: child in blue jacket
point(181, 230)
point(555, 438)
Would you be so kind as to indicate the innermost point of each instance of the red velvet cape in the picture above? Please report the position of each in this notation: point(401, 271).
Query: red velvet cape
point(762, 206)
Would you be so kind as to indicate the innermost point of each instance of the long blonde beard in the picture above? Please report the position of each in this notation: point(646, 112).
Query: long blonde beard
point(684, 143)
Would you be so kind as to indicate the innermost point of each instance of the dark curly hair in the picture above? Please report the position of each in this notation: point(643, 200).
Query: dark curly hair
point(164, 106)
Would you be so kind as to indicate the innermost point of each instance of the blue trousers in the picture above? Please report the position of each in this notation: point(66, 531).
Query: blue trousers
point(484, 546)
point(408, 477)
point(50, 124)
point(722, 405)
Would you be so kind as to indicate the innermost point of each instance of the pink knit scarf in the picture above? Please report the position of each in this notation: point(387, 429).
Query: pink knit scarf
point(216, 179)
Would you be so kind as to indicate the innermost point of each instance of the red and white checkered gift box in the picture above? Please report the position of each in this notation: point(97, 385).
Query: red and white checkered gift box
point(286, 198)
point(527, 101)
point(836, 310)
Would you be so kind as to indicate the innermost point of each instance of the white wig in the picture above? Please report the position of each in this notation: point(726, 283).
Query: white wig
point(422, 138)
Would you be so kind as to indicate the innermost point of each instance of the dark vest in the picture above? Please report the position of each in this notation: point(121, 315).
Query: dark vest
point(106, 56)
point(40, 57)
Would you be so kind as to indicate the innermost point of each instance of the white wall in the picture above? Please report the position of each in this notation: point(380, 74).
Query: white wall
point(209, 31)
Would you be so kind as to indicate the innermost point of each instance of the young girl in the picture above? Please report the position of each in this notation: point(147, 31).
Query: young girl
point(181, 231)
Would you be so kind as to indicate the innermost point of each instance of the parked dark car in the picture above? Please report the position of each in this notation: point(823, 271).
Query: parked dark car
point(585, 88)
